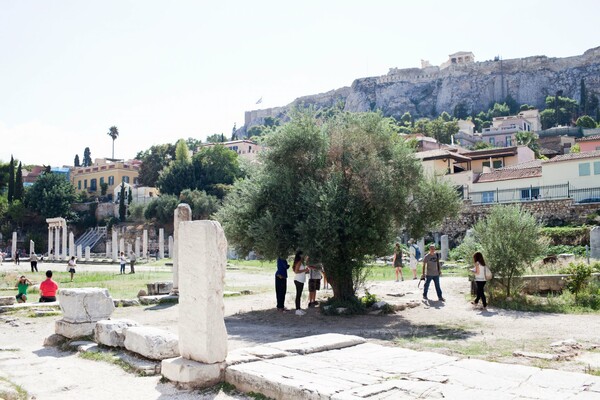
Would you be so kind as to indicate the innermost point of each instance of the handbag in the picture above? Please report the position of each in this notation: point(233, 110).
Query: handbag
point(488, 273)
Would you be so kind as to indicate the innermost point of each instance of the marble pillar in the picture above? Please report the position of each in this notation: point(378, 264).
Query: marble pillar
point(161, 243)
point(13, 247)
point(137, 247)
point(87, 253)
point(31, 247)
point(129, 249)
point(115, 244)
point(444, 247)
point(64, 254)
point(122, 246)
point(79, 252)
point(145, 244)
point(56, 243)
point(170, 246)
point(183, 212)
point(421, 246)
point(108, 249)
point(71, 245)
point(50, 239)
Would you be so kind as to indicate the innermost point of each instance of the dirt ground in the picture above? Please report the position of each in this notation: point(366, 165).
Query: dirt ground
point(453, 328)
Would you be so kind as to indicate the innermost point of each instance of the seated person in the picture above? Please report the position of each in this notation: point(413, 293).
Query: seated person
point(22, 286)
point(48, 289)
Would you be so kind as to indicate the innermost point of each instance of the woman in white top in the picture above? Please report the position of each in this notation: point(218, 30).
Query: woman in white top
point(412, 257)
point(300, 270)
point(479, 271)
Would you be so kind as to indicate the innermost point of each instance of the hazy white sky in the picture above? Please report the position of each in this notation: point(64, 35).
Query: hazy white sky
point(164, 70)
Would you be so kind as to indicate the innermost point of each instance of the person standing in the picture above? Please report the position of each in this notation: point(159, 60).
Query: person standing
point(412, 257)
point(17, 258)
point(480, 280)
point(132, 259)
point(300, 271)
point(48, 289)
point(22, 286)
point(432, 271)
point(281, 282)
point(122, 262)
point(33, 260)
point(71, 267)
point(398, 261)
point(314, 284)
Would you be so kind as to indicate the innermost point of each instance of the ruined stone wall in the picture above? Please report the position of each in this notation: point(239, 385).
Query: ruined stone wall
point(548, 212)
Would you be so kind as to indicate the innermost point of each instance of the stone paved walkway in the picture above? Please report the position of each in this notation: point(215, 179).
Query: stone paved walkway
point(343, 367)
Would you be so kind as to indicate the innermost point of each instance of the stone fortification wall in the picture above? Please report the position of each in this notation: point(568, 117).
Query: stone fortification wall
point(548, 212)
point(431, 90)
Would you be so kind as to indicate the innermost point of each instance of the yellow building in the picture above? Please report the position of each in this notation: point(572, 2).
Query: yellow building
point(102, 171)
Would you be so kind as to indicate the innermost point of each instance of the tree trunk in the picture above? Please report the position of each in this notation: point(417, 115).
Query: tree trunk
point(342, 285)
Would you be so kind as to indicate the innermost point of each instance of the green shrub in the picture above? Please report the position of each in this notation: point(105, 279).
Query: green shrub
point(579, 277)
point(368, 299)
point(567, 235)
point(465, 250)
point(353, 306)
point(560, 249)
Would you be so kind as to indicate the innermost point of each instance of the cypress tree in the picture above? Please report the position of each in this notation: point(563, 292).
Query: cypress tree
point(18, 194)
point(11, 179)
point(122, 209)
point(76, 161)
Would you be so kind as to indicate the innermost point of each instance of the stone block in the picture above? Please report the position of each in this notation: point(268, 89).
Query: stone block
point(110, 332)
point(202, 258)
point(317, 343)
point(192, 374)
point(152, 343)
point(7, 300)
point(74, 330)
point(157, 288)
point(85, 304)
point(54, 340)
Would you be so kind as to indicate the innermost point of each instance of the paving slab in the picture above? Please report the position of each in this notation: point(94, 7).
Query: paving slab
point(315, 369)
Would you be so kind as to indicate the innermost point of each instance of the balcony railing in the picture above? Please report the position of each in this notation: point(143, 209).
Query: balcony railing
point(533, 193)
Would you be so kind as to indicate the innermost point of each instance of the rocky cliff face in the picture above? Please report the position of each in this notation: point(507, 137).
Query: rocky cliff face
point(429, 91)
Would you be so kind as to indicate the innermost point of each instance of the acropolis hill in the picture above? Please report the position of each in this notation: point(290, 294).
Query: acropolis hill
point(427, 91)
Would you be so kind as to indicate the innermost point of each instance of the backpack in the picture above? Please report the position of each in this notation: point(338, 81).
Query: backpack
point(488, 273)
point(417, 252)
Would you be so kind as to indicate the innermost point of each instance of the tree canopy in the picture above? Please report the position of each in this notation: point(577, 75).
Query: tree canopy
point(50, 196)
point(339, 189)
point(154, 160)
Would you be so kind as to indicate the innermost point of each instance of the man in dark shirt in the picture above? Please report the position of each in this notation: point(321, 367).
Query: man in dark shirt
point(432, 271)
point(281, 282)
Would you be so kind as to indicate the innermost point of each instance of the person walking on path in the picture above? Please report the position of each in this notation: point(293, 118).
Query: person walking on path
point(480, 280)
point(412, 253)
point(132, 259)
point(281, 282)
point(33, 260)
point(123, 262)
point(22, 286)
point(398, 261)
point(17, 258)
point(48, 289)
point(432, 271)
point(71, 267)
point(300, 271)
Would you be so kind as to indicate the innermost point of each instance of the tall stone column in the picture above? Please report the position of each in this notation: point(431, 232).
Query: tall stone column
point(79, 252)
point(202, 256)
point(595, 242)
point(170, 241)
point(87, 253)
point(183, 212)
point(122, 246)
point(137, 247)
point(31, 247)
point(64, 242)
point(71, 244)
point(108, 247)
point(13, 246)
point(421, 246)
point(56, 243)
point(161, 243)
point(115, 243)
point(128, 249)
point(444, 247)
point(145, 243)
point(50, 239)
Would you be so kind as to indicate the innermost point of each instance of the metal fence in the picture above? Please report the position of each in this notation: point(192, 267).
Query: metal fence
point(533, 193)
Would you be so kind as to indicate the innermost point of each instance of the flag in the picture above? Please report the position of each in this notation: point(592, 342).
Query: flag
point(259, 101)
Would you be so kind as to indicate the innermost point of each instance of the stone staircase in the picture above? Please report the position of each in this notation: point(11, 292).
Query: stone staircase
point(91, 237)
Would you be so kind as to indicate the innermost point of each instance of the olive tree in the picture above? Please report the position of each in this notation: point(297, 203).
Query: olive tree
point(511, 239)
point(338, 189)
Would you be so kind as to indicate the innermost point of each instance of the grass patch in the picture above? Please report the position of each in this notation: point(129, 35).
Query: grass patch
point(108, 357)
point(592, 371)
point(21, 393)
point(41, 315)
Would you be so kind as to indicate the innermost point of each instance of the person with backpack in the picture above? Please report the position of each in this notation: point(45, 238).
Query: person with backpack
point(432, 271)
point(480, 278)
point(414, 256)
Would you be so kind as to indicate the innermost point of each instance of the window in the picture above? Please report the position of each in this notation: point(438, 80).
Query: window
point(111, 180)
point(93, 185)
point(492, 141)
point(79, 185)
point(136, 181)
point(101, 180)
point(126, 179)
point(487, 197)
point(508, 141)
point(532, 193)
point(85, 183)
point(495, 163)
point(596, 167)
point(584, 169)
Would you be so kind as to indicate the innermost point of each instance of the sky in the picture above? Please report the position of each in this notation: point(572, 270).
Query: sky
point(164, 70)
